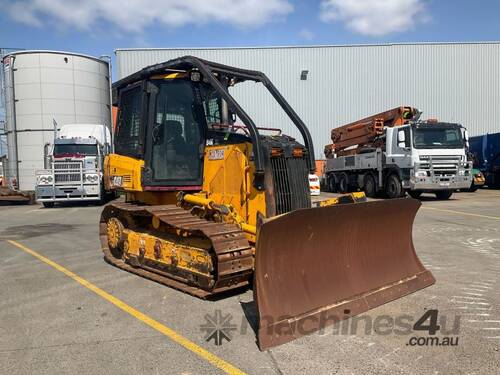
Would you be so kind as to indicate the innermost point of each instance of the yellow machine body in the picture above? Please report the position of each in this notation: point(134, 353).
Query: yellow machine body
point(227, 180)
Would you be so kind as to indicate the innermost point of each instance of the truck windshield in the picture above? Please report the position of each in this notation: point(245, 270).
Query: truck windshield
point(74, 150)
point(436, 137)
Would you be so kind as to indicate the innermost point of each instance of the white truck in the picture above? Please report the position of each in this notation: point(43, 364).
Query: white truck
point(73, 165)
point(410, 157)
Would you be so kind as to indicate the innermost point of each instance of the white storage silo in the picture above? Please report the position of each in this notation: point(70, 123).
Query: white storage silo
point(43, 86)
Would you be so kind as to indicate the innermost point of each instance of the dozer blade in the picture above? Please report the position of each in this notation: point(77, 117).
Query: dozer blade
point(315, 267)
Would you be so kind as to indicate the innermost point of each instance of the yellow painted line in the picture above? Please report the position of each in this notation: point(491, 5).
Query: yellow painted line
point(170, 333)
point(463, 213)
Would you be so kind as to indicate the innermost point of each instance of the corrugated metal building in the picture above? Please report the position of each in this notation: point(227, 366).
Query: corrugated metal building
point(457, 82)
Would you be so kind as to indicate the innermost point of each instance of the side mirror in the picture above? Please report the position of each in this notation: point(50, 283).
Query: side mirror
point(465, 135)
point(46, 155)
point(401, 137)
point(46, 149)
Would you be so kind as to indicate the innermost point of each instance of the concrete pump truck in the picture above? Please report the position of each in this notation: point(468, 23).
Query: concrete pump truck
point(395, 153)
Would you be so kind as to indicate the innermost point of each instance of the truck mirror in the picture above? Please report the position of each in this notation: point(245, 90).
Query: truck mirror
point(46, 147)
point(401, 145)
point(401, 137)
point(466, 135)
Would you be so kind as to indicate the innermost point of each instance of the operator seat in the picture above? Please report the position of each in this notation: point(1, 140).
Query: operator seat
point(175, 141)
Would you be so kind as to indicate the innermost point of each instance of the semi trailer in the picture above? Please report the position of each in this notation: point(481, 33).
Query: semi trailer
point(73, 165)
point(395, 153)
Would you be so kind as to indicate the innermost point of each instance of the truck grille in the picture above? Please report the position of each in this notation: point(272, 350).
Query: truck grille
point(291, 184)
point(68, 177)
point(66, 165)
point(442, 165)
point(67, 171)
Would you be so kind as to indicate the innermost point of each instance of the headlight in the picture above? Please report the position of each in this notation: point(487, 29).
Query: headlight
point(421, 174)
point(45, 179)
point(91, 178)
point(461, 172)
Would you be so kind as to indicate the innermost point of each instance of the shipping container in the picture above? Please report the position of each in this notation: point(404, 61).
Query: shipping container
point(486, 157)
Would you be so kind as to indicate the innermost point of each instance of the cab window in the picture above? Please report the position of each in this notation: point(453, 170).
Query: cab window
point(128, 135)
point(177, 134)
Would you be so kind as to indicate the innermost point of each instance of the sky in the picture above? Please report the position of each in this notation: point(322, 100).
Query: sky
point(98, 27)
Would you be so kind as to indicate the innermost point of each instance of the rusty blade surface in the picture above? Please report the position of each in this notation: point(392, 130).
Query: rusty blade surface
point(317, 266)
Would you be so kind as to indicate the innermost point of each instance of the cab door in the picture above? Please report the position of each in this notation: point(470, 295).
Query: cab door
point(400, 147)
point(129, 137)
point(175, 136)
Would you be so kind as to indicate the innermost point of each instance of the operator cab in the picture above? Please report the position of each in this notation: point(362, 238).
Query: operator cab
point(183, 116)
point(169, 112)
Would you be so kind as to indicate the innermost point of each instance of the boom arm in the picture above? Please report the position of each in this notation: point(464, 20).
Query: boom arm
point(362, 132)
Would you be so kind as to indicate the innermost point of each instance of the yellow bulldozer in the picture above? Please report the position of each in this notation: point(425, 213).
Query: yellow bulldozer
point(213, 206)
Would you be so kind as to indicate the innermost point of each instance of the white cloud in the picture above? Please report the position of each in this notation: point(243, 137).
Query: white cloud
point(136, 15)
point(375, 17)
point(306, 34)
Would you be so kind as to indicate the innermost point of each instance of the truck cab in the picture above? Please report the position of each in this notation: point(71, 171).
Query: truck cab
point(73, 165)
point(429, 156)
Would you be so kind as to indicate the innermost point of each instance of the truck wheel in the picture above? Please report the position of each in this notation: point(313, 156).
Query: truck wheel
point(472, 188)
point(343, 183)
point(415, 193)
point(105, 196)
point(393, 187)
point(332, 185)
point(369, 186)
point(444, 194)
point(48, 204)
point(323, 184)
